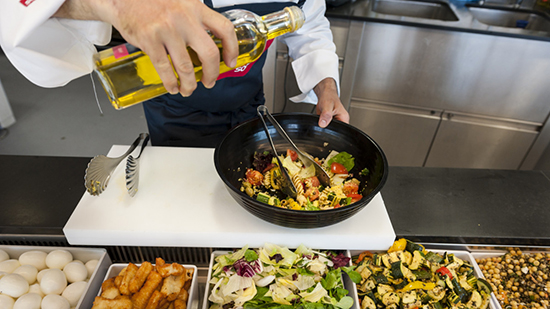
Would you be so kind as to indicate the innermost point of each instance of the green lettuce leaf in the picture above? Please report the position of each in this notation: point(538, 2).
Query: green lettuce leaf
point(344, 158)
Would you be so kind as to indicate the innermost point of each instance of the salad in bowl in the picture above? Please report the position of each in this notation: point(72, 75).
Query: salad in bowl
point(277, 277)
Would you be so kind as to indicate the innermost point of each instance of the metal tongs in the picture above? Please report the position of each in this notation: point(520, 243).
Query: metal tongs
point(287, 185)
point(100, 168)
point(132, 167)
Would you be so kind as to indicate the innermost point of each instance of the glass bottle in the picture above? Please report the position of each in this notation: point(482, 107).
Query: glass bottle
point(128, 76)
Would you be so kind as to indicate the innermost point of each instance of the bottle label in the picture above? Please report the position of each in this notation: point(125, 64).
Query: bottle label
point(242, 70)
point(120, 51)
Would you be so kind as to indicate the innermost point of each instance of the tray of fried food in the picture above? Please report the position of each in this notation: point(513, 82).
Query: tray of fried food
point(148, 286)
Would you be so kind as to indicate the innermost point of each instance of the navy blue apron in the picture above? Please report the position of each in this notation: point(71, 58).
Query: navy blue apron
point(203, 119)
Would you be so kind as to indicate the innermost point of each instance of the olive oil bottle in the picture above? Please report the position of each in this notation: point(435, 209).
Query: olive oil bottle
point(128, 76)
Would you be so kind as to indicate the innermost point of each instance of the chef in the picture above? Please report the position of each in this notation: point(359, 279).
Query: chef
point(51, 42)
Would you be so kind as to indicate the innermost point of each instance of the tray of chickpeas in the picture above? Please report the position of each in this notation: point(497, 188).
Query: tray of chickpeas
point(519, 276)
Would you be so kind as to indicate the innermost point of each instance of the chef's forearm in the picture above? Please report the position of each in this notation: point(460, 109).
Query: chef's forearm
point(327, 84)
point(79, 9)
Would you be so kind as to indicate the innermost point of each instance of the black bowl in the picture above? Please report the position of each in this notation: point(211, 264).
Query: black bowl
point(235, 153)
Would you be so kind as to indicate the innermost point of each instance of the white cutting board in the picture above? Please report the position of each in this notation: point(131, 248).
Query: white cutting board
point(182, 202)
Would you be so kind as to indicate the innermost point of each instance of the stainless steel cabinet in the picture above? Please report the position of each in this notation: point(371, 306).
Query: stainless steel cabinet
point(403, 132)
point(470, 141)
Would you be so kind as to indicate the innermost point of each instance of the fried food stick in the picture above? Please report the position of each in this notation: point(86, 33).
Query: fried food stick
point(155, 300)
point(131, 271)
point(172, 286)
point(109, 289)
point(181, 300)
point(140, 277)
point(173, 269)
point(189, 272)
point(141, 298)
point(120, 277)
point(119, 302)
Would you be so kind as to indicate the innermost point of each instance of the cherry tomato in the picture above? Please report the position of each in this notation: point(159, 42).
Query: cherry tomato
point(254, 177)
point(338, 168)
point(313, 181)
point(355, 197)
point(293, 155)
point(337, 206)
point(350, 187)
point(312, 194)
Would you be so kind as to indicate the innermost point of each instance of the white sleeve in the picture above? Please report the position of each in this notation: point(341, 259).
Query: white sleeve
point(313, 51)
point(50, 52)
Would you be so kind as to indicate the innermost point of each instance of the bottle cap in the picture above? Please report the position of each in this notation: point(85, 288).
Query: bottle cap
point(297, 17)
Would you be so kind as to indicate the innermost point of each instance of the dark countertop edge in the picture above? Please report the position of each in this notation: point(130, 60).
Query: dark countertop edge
point(437, 27)
point(471, 241)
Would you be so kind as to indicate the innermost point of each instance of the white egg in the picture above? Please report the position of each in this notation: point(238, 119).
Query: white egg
point(6, 302)
point(91, 265)
point(75, 271)
point(34, 258)
point(4, 255)
point(53, 282)
point(35, 288)
point(9, 266)
point(55, 302)
point(40, 274)
point(28, 272)
point(58, 259)
point(74, 291)
point(28, 301)
point(14, 285)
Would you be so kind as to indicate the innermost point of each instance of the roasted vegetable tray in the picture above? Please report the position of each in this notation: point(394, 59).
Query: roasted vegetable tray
point(463, 255)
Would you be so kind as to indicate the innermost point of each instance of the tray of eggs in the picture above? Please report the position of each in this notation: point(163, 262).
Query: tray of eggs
point(50, 277)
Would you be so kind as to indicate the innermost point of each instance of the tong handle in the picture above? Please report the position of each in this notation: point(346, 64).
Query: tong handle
point(323, 177)
point(287, 186)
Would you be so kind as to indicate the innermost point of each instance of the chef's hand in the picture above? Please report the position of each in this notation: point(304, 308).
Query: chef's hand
point(329, 104)
point(166, 27)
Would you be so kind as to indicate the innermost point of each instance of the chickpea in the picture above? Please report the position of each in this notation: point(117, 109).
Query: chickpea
point(514, 288)
point(536, 263)
point(531, 260)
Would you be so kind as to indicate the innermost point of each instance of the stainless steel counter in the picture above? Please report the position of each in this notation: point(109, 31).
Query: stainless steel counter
point(489, 17)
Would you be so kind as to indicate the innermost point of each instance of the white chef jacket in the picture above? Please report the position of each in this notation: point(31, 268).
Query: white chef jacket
point(51, 52)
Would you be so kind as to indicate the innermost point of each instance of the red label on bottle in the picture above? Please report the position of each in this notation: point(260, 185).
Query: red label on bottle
point(120, 51)
point(26, 2)
point(242, 70)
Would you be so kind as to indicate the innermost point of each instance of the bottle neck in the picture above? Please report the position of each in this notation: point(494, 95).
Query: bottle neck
point(279, 23)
